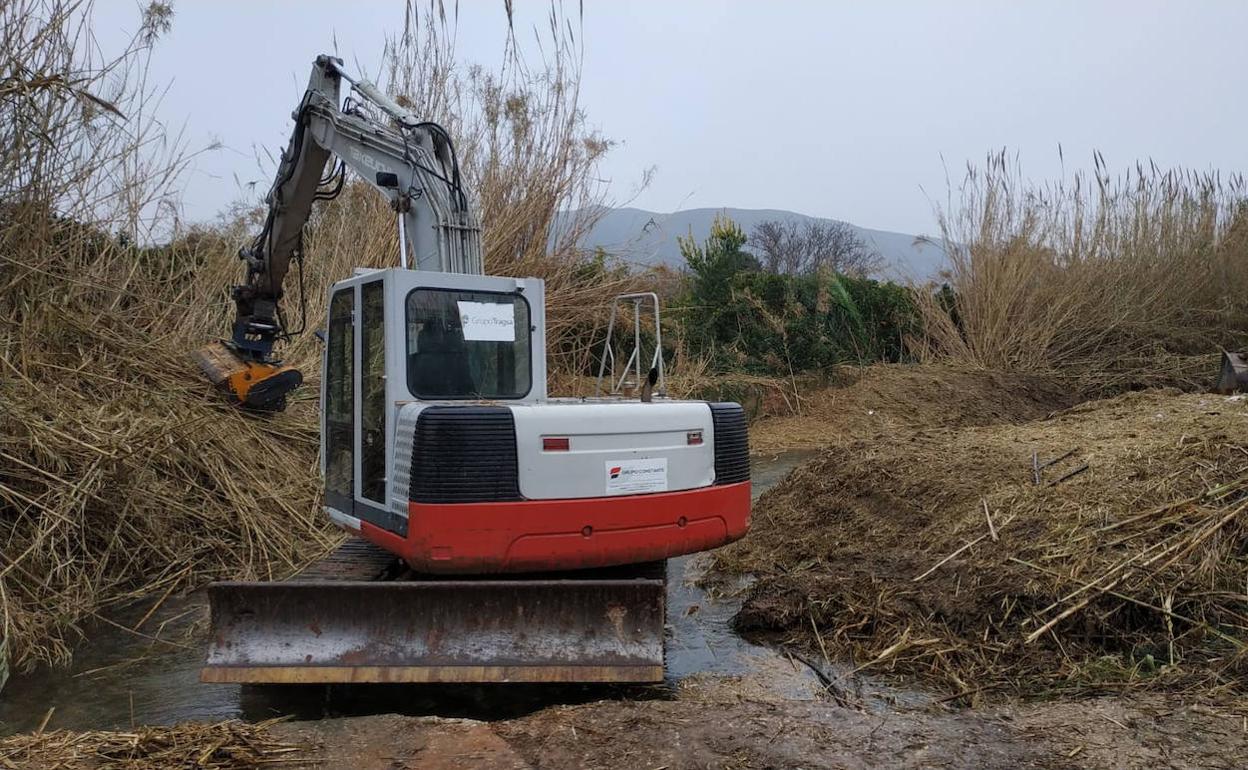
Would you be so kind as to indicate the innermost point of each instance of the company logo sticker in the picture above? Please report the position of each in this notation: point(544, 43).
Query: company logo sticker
point(634, 477)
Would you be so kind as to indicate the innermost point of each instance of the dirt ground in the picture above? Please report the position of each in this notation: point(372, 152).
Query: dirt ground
point(720, 731)
point(726, 724)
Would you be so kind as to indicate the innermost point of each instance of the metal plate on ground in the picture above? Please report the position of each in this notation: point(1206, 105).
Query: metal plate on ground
point(513, 630)
point(1233, 376)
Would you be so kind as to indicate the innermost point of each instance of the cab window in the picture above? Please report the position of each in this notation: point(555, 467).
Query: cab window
point(468, 344)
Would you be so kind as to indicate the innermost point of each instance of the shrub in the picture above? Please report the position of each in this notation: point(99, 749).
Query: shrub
point(747, 320)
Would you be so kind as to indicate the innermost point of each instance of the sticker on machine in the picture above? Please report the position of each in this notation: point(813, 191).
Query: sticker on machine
point(631, 477)
point(487, 321)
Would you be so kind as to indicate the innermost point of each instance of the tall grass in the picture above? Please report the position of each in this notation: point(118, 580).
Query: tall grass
point(1119, 276)
point(121, 473)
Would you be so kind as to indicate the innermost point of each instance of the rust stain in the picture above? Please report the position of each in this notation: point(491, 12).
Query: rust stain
point(616, 614)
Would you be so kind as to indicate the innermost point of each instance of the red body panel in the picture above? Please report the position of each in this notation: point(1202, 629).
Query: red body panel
point(550, 535)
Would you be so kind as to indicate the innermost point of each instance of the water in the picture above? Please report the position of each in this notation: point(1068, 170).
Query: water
point(120, 679)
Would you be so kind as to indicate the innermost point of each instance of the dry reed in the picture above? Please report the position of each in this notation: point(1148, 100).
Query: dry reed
point(121, 474)
point(223, 746)
point(1113, 281)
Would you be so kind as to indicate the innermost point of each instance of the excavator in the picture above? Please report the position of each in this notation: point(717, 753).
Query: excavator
point(501, 535)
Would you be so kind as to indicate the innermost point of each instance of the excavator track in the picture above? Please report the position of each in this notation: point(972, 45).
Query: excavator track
point(359, 616)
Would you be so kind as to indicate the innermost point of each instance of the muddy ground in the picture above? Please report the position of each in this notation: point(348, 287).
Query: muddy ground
point(723, 730)
point(781, 707)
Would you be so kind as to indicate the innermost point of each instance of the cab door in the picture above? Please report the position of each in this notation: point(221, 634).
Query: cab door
point(356, 407)
point(374, 412)
point(338, 428)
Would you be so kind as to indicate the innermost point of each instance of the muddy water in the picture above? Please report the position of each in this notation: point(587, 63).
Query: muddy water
point(119, 678)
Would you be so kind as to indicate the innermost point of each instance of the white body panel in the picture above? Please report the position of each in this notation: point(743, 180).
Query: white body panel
point(602, 434)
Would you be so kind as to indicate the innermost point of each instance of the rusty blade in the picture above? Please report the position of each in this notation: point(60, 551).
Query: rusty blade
point(591, 630)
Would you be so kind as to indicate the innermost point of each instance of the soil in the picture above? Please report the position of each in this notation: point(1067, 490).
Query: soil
point(726, 731)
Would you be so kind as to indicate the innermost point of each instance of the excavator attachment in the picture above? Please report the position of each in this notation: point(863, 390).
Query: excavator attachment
point(251, 384)
point(1234, 374)
point(604, 626)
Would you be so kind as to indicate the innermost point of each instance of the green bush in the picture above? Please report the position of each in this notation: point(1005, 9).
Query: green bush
point(744, 319)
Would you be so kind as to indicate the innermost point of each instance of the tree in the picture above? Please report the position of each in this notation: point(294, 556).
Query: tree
point(787, 246)
point(719, 258)
point(714, 264)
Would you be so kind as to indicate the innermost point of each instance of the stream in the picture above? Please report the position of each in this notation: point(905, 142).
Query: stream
point(119, 679)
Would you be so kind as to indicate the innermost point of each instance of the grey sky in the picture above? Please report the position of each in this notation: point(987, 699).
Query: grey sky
point(840, 110)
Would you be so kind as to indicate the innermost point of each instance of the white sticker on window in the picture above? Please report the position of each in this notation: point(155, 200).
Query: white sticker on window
point(487, 321)
point(631, 477)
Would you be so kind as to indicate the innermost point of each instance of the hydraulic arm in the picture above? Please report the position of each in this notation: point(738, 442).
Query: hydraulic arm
point(410, 161)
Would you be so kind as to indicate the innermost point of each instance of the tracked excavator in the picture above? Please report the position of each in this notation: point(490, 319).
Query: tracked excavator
point(501, 535)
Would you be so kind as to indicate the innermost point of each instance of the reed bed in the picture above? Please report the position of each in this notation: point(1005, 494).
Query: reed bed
point(1099, 549)
point(123, 476)
point(1112, 280)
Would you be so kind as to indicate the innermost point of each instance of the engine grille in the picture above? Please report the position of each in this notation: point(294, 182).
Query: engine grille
point(732, 443)
point(465, 454)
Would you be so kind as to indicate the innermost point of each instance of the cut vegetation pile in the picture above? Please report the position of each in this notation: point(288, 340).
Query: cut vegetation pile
point(223, 746)
point(885, 399)
point(121, 473)
point(937, 555)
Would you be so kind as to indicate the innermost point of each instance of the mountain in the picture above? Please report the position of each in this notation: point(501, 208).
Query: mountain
point(649, 238)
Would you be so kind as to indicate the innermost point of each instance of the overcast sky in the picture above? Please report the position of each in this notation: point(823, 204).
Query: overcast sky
point(835, 109)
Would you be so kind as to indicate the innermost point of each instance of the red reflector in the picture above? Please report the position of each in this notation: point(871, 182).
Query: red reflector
point(693, 437)
point(554, 444)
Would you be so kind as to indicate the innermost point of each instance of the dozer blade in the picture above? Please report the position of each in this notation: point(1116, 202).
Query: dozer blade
point(521, 630)
point(252, 384)
point(1234, 374)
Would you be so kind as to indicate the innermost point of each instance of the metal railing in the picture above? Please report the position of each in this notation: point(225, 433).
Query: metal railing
point(632, 365)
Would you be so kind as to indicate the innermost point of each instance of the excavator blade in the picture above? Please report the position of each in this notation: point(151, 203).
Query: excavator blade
point(480, 630)
point(1233, 376)
point(251, 384)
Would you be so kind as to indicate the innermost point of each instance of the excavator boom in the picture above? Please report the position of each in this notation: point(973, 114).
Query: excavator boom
point(411, 161)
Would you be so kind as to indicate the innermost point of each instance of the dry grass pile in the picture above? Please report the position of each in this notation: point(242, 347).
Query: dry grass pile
point(936, 555)
point(891, 399)
point(1112, 280)
point(223, 746)
point(122, 475)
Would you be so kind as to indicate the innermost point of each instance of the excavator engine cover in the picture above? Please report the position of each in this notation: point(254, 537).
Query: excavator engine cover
point(1234, 374)
point(594, 626)
point(254, 385)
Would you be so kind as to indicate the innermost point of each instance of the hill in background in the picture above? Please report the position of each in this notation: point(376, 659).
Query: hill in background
point(649, 238)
